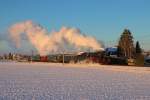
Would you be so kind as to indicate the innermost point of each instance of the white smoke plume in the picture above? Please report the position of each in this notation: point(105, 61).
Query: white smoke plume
point(65, 39)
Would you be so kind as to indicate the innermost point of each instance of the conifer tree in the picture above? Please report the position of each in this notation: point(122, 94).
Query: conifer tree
point(138, 48)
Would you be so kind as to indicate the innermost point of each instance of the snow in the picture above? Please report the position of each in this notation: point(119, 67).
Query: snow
point(46, 81)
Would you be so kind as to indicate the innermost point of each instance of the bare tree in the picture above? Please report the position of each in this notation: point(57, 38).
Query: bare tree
point(126, 45)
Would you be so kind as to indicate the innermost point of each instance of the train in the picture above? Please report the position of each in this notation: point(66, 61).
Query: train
point(68, 58)
point(108, 56)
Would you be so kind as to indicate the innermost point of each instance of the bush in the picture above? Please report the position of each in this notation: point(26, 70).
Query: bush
point(139, 61)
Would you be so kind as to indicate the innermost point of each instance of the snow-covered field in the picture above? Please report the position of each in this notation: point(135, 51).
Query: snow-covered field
point(45, 81)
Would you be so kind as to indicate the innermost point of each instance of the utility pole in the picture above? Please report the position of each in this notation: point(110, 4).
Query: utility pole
point(31, 55)
point(63, 58)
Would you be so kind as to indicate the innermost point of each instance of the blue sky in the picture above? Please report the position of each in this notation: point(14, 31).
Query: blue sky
point(103, 19)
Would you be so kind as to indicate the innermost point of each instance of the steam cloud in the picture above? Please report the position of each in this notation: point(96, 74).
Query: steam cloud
point(64, 40)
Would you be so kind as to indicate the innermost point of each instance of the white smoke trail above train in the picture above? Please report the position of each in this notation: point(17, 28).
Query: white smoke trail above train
point(65, 39)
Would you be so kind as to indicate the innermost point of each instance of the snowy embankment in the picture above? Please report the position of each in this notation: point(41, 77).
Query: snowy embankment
point(46, 81)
